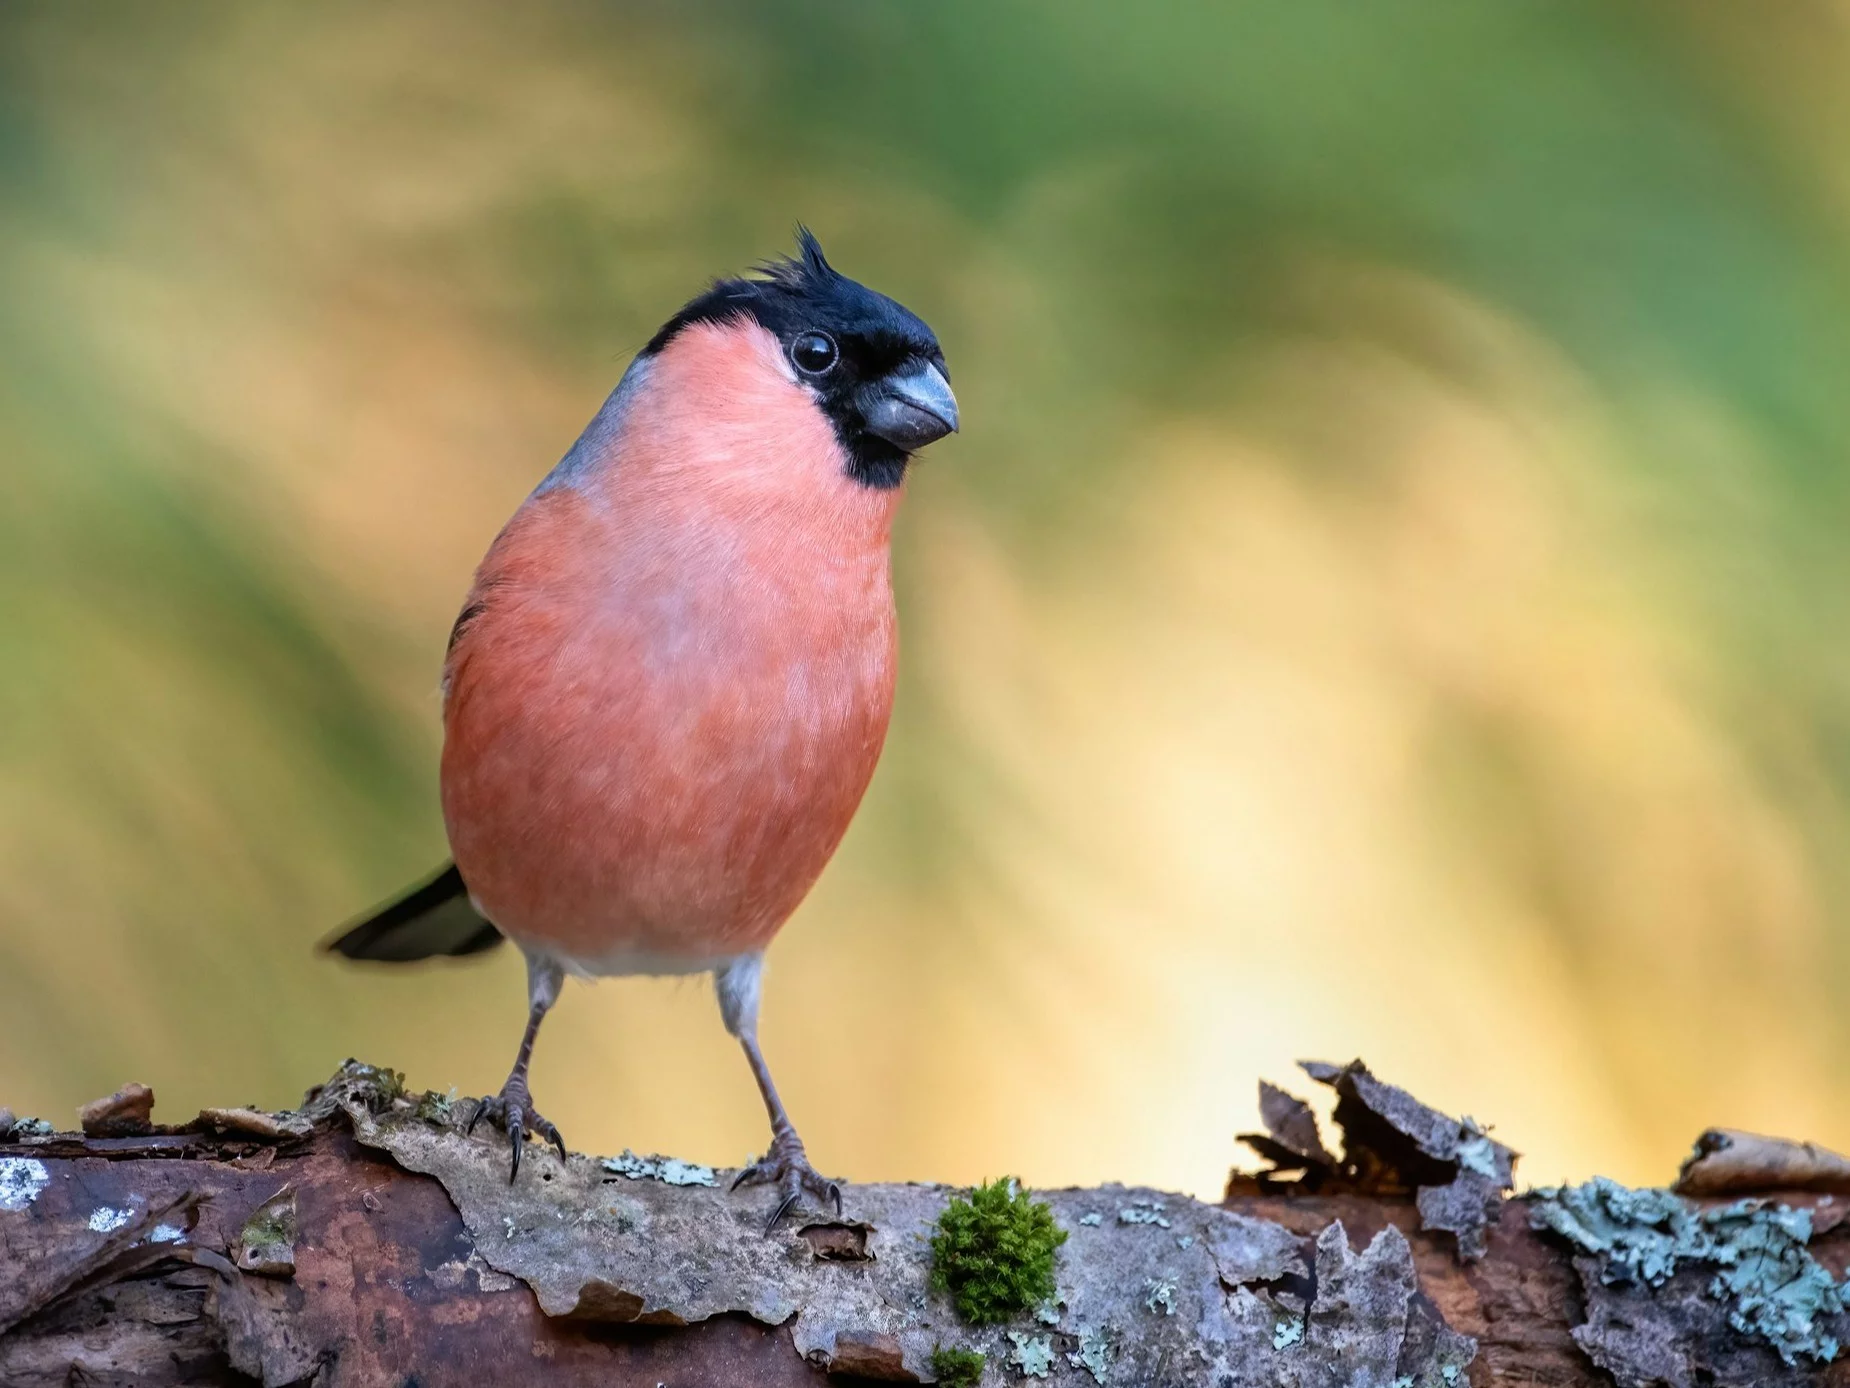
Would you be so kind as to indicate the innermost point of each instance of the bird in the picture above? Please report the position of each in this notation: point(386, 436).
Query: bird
point(671, 680)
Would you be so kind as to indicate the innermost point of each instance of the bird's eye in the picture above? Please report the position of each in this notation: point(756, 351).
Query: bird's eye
point(814, 353)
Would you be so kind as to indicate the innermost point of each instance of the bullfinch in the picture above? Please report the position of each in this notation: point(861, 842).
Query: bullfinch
point(670, 683)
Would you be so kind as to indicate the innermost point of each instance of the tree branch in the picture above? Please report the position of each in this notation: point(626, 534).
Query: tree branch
point(367, 1241)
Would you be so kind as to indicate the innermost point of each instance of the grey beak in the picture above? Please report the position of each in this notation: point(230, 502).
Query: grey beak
point(912, 408)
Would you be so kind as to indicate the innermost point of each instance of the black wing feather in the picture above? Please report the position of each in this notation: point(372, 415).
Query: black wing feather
point(431, 921)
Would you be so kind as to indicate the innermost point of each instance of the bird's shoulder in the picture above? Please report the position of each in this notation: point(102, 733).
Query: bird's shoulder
point(555, 535)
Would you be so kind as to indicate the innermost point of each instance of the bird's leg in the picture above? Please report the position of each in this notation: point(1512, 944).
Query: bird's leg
point(785, 1164)
point(512, 1108)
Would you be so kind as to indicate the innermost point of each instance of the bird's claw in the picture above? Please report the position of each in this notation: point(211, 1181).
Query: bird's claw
point(512, 1110)
point(787, 1167)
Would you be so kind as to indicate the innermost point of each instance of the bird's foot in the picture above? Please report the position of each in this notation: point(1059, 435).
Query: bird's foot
point(787, 1167)
point(512, 1110)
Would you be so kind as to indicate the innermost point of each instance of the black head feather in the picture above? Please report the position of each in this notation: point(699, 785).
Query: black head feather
point(809, 266)
point(873, 337)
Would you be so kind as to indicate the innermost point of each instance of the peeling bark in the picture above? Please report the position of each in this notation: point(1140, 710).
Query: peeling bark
point(367, 1241)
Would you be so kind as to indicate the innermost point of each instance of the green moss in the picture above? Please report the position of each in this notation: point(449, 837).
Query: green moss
point(957, 1368)
point(375, 1086)
point(271, 1224)
point(994, 1253)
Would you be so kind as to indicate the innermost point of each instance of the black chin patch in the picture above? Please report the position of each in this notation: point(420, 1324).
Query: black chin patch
point(875, 337)
point(874, 462)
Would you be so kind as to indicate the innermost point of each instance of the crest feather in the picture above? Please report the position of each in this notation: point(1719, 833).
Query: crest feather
point(811, 251)
point(808, 267)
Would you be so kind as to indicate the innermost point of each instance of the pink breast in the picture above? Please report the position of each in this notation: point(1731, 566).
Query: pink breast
point(675, 691)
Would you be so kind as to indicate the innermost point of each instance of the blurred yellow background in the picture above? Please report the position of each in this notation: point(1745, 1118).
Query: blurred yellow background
point(1389, 597)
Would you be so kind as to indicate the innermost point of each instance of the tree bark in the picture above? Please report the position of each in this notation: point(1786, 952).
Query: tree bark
point(367, 1241)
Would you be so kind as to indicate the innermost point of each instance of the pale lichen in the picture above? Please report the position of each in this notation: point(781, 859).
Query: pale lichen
point(21, 1181)
point(1640, 1234)
point(1144, 1212)
point(106, 1219)
point(1093, 1354)
point(1477, 1152)
point(668, 1170)
point(1033, 1354)
point(1776, 1289)
point(1771, 1287)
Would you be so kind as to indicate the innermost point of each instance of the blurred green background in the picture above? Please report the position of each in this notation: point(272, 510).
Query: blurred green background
point(1389, 596)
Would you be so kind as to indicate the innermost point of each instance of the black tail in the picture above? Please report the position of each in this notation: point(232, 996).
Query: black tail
point(435, 919)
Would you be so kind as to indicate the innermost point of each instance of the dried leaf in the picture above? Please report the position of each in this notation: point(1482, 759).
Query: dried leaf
point(126, 1113)
point(1729, 1162)
point(256, 1122)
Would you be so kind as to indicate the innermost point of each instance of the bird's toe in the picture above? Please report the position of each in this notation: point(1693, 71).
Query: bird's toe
point(787, 1167)
point(513, 1112)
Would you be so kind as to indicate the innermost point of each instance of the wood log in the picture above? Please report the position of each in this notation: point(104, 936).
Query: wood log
point(366, 1240)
